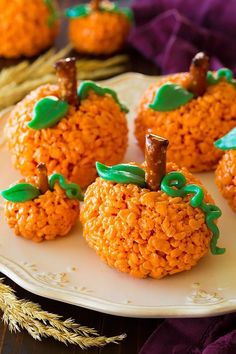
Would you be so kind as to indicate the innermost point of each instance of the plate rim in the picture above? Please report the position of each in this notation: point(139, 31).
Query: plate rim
point(27, 281)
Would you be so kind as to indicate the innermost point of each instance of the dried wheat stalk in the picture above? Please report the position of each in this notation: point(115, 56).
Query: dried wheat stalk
point(17, 81)
point(22, 314)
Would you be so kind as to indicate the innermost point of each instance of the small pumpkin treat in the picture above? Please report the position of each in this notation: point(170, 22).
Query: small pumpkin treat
point(41, 208)
point(27, 27)
point(191, 110)
point(226, 170)
point(99, 28)
point(150, 221)
point(67, 130)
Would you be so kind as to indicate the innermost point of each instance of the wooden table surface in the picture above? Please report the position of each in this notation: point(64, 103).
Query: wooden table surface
point(137, 330)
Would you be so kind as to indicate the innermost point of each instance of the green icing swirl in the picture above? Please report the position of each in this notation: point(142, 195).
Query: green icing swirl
point(23, 192)
point(171, 96)
point(222, 73)
point(53, 12)
point(85, 10)
point(49, 110)
point(174, 184)
point(122, 173)
point(87, 86)
point(73, 190)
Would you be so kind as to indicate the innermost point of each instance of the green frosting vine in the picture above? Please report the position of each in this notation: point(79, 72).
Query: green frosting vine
point(73, 190)
point(227, 142)
point(47, 112)
point(85, 10)
point(174, 184)
point(122, 173)
point(222, 73)
point(53, 12)
point(87, 86)
point(169, 97)
point(23, 192)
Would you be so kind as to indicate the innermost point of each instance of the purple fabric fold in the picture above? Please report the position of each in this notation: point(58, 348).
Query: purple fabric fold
point(171, 32)
point(215, 335)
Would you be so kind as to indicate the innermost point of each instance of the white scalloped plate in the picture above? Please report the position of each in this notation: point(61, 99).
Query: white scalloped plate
point(69, 271)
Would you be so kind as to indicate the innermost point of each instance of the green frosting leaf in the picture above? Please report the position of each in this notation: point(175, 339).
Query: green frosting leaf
point(126, 11)
point(169, 97)
point(21, 192)
point(53, 13)
point(85, 10)
point(124, 174)
point(73, 190)
point(174, 184)
point(223, 73)
point(47, 112)
point(227, 142)
point(129, 168)
point(87, 86)
point(78, 11)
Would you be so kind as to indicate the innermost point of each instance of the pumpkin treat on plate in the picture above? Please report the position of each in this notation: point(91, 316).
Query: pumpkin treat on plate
point(154, 220)
point(191, 110)
point(99, 28)
point(41, 208)
point(67, 130)
point(226, 170)
point(27, 27)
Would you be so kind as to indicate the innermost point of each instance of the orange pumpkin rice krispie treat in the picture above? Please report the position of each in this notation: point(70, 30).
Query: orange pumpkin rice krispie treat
point(99, 28)
point(191, 110)
point(152, 220)
point(68, 130)
point(226, 169)
point(39, 208)
point(27, 27)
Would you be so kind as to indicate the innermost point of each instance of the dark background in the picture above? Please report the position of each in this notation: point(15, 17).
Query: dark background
point(137, 330)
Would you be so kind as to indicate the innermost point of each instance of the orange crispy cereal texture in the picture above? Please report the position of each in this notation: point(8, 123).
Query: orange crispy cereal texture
point(226, 177)
point(49, 216)
point(96, 132)
point(193, 128)
point(24, 30)
point(99, 33)
point(144, 233)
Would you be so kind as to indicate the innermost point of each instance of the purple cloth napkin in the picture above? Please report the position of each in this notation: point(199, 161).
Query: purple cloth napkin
point(216, 335)
point(171, 32)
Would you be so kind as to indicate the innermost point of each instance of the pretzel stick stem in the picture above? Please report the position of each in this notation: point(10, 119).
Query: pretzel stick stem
point(155, 157)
